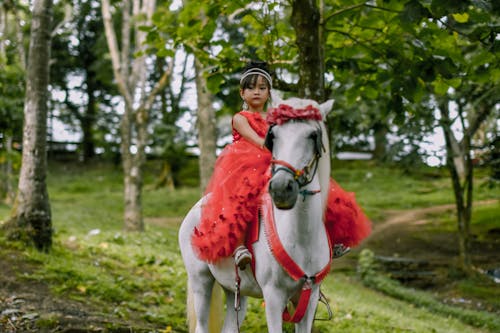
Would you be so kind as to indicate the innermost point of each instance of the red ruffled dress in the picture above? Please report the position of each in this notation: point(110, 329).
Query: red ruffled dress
point(240, 176)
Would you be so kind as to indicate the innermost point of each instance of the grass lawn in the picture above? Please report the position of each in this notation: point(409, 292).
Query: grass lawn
point(139, 277)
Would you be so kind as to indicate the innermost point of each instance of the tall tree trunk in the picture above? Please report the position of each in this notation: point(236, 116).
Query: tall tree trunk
point(31, 216)
point(207, 135)
point(306, 21)
point(459, 164)
point(131, 77)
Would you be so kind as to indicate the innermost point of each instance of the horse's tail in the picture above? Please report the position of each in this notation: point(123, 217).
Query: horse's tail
point(215, 315)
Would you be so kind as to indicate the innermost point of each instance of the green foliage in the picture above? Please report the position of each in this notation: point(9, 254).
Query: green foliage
point(12, 86)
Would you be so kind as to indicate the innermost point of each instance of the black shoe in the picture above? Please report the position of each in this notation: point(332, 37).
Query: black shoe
point(339, 250)
point(242, 257)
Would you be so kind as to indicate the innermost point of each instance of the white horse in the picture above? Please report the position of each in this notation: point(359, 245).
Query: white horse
point(298, 188)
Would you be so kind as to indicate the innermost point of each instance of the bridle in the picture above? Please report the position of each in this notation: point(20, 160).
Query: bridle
point(305, 175)
point(302, 176)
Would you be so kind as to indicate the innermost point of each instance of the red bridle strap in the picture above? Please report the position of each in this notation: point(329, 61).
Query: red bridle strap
point(296, 173)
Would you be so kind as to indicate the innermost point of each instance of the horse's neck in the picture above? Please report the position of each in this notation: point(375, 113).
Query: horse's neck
point(302, 226)
point(303, 235)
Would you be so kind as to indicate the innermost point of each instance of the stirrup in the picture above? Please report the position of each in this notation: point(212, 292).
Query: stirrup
point(339, 250)
point(242, 257)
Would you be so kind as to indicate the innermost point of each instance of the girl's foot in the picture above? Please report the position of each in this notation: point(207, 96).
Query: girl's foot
point(242, 257)
point(339, 250)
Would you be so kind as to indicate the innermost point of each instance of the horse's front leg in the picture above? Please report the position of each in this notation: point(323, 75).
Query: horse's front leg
point(231, 321)
point(276, 301)
point(305, 325)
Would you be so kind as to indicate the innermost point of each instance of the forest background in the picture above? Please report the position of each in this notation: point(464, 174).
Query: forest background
point(128, 76)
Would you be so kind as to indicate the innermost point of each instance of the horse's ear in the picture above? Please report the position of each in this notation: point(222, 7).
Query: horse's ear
point(269, 140)
point(325, 108)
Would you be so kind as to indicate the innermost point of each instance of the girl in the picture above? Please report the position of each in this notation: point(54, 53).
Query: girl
point(240, 176)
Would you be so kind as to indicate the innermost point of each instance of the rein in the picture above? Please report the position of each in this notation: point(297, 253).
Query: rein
point(289, 265)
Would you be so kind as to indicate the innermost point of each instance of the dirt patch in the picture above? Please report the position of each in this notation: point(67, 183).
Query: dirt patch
point(28, 305)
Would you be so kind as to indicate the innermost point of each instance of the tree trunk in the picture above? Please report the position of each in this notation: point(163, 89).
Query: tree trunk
point(206, 128)
point(132, 177)
point(459, 164)
point(132, 85)
point(380, 137)
point(31, 216)
point(306, 21)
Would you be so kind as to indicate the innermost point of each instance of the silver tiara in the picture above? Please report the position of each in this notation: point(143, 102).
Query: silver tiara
point(258, 71)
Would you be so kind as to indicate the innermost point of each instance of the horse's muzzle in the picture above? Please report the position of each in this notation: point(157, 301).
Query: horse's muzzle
point(283, 190)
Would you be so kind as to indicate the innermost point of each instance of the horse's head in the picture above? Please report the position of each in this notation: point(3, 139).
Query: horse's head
point(296, 139)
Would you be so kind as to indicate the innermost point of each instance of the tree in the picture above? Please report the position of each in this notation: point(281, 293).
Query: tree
point(192, 29)
point(31, 215)
point(464, 83)
point(130, 72)
point(206, 126)
point(419, 56)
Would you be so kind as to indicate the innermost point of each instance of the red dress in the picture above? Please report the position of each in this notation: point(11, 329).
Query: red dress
point(240, 176)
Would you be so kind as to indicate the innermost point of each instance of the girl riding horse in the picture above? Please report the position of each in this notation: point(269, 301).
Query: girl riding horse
point(240, 177)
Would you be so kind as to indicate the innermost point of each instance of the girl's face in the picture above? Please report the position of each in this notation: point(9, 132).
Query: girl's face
point(256, 95)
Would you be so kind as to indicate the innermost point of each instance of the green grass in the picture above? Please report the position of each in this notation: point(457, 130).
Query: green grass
point(359, 309)
point(123, 273)
point(380, 188)
point(141, 274)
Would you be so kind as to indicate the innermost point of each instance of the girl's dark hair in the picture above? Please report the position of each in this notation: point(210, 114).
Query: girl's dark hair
point(251, 80)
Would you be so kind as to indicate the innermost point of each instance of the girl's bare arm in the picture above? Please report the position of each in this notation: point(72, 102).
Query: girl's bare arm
point(240, 123)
